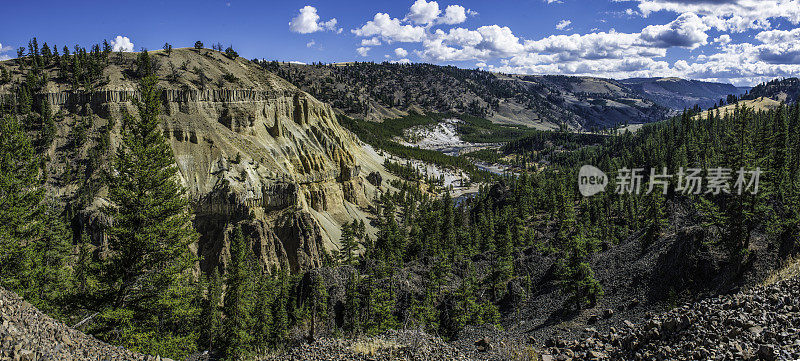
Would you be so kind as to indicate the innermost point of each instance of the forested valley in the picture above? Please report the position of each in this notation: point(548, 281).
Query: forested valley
point(435, 262)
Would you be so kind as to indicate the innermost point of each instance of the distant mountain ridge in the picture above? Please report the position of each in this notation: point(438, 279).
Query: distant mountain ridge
point(677, 93)
point(784, 90)
point(382, 91)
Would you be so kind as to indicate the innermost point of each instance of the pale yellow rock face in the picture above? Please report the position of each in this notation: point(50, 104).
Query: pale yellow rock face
point(256, 151)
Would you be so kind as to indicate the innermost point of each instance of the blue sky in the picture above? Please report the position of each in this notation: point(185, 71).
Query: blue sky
point(738, 41)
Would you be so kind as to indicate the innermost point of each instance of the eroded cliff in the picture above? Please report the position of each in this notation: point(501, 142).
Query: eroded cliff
point(251, 149)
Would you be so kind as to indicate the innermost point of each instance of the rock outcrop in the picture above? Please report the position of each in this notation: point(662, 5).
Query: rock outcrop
point(251, 149)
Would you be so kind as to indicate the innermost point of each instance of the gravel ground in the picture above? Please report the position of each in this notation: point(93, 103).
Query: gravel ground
point(391, 345)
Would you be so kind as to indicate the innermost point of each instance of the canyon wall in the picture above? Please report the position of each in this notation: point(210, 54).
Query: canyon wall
point(259, 154)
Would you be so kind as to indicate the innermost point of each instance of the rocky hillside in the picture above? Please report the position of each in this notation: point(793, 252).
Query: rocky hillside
point(251, 149)
point(26, 334)
point(782, 90)
point(757, 324)
point(383, 91)
point(682, 94)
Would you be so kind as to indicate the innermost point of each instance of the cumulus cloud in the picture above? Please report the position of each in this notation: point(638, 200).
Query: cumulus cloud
point(728, 15)
point(454, 14)
point(723, 39)
point(462, 44)
point(602, 45)
point(779, 36)
point(390, 29)
point(307, 21)
point(401, 61)
point(606, 54)
point(122, 43)
point(687, 31)
point(371, 42)
point(499, 39)
point(423, 12)
point(779, 46)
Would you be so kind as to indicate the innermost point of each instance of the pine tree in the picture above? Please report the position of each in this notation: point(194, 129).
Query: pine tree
point(20, 205)
point(262, 311)
point(740, 210)
point(352, 314)
point(238, 298)
point(212, 313)
point(145, 66)
point(380, 308)
point(146, 272)
point(576, 276)
point(504, 263)
point(655, 218)
point(348, 244)
point(319, 303)
point(280, 309)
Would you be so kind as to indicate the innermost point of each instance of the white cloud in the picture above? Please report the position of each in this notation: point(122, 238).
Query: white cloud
point(401, 61)
point(311, 43)
point(371, 42)
point(740, 64)
point(122, 43)
point(553, 1)
point(605, 54)
point(454, 14)
point(4, 49)
point(681, 65)
point(723, 39)
point(499, 39)
point(463, 44)
point(460, 36)
point(779, 36)
point(602, 45)
point(728, 15)
point(779, 46)
point(390, 29)
point(687, 31)
point(423, 12)
point(307, 21)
